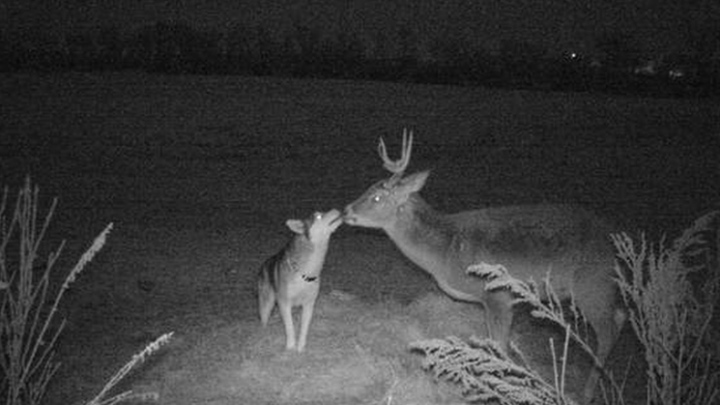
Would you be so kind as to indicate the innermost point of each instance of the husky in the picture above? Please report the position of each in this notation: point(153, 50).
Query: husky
point(291, 277)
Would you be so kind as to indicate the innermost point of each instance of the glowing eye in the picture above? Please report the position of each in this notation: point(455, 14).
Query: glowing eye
point(376, 198)
point(318, 216)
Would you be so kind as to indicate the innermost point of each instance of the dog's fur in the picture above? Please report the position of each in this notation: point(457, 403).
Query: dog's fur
point(292, 277)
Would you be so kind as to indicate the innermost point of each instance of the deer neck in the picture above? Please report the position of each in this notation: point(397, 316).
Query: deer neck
point(433, 242)
point(422, 234)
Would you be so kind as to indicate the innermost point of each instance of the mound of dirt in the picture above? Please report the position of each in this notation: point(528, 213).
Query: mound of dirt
point(357, 353)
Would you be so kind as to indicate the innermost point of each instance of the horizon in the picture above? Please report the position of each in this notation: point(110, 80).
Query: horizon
point(656, 26)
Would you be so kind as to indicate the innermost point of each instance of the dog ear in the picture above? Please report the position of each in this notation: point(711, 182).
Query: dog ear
point(296, 226)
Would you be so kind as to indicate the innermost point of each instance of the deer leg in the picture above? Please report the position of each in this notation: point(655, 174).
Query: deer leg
point(607, 327)
point(499, 313)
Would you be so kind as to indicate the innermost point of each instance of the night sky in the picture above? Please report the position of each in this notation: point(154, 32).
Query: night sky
point(659, 26)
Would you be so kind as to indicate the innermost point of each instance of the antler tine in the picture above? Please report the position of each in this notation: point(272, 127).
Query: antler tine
point(397, 166)
point(407, 148)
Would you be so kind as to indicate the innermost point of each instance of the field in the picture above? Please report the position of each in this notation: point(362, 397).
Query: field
point(199, 175)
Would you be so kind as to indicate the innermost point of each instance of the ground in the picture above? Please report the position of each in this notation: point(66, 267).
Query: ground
point(199, 174)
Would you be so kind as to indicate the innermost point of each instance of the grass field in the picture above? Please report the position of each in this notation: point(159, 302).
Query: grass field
point(199, 175)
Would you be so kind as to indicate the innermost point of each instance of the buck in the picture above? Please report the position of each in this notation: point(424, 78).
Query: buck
point(570, 243)
point(291, 277)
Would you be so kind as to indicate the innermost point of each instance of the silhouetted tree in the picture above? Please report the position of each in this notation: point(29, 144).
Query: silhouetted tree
point(380, 46)
point(568, 71)
point(308, 42)
point(350, 53)
point(266, 53)
point(308, 51)
point(37, 49)
point(5, 53)
point(173, 48)
point(240, 40)
point(455, 59)
point(619, 52)
point(409, 48)
point(98, 48)
point(109, 45)
point(702, 57)
point(407, 43)
point(520, 62)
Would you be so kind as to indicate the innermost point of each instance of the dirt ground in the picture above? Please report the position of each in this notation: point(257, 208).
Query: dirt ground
point(199, 174)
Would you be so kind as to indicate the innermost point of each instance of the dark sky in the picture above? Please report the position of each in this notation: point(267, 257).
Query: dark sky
point(658, 25)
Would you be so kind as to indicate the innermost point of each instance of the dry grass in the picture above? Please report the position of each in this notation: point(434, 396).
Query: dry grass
point(672, 291)
point(29, 328)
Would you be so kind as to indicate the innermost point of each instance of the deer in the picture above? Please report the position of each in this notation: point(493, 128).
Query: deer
point(569, 243)
point(291, 277)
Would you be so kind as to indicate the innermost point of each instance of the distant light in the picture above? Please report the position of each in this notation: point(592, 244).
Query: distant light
point(676, 74)
point(573, 55)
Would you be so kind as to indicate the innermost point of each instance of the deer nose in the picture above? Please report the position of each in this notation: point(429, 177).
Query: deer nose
point(348, 216)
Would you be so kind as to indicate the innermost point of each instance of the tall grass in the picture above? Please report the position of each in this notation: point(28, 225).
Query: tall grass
point(28, 326)
point(671, 291)
point(102, 397)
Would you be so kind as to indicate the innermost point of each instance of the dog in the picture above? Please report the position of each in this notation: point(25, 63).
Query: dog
point(291, 277)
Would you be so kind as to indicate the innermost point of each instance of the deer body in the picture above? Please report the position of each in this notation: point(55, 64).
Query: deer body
point(570, 243)
point(560, 239)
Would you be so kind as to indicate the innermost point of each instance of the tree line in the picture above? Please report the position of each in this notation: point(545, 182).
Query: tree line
point(617, 64)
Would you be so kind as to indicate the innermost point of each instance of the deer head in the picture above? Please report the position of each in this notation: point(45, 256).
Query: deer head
point(379, 205)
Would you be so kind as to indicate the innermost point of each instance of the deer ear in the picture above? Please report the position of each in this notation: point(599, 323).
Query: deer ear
point(296, 226)
point(414, 182)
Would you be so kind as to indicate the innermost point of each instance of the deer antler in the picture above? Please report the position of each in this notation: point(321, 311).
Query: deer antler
point(397, 167)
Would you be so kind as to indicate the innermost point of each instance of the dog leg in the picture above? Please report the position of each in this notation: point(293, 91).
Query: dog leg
point(286, 314)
